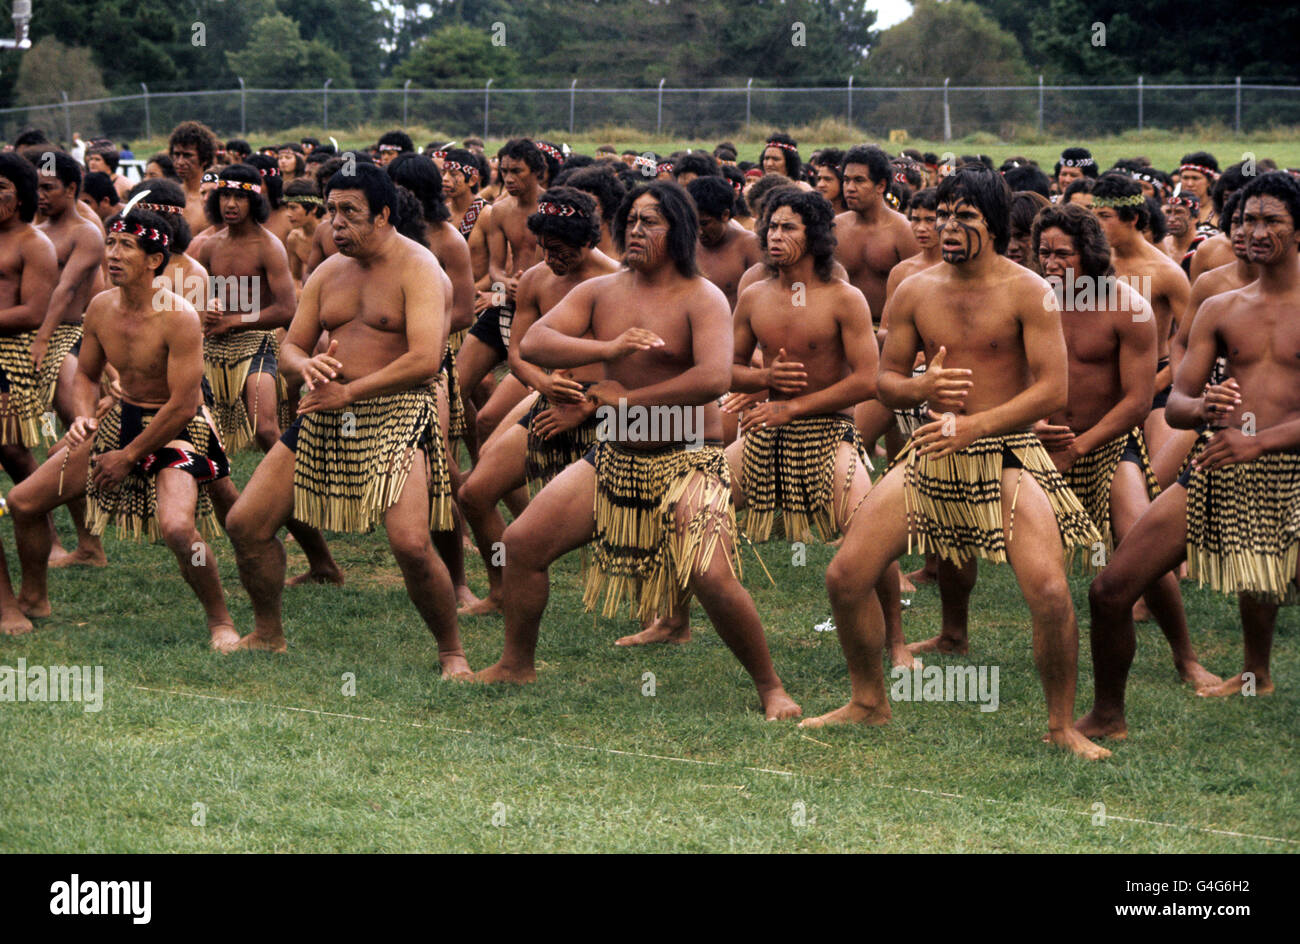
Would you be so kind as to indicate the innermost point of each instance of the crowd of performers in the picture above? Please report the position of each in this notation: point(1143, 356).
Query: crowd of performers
point(1083, 371)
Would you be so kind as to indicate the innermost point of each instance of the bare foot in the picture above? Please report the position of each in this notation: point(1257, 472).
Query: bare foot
point(1141, 614)
point(940, 643)
point(14, 623)
point(330, 575)
point(81, 557)
point(478, 607)
point(57, 554)
point(1197, 675)
point(496, 674)
point(35, 609)
point(777, 705)
point(224, 637)
point(661, 630)
point(257, 642)
point(456, 669)
point(1234, 685)
point(852, 713)
point(464, 595)
point(902, 658)
point(905, 585)
point(1076, 743)
point(919, 577)
point(1093, 725)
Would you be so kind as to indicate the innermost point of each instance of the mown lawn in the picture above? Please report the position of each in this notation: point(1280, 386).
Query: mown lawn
point(280, 759)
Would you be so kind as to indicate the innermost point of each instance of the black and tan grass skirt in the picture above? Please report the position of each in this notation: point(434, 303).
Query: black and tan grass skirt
point(226, 361)
point(351, 464)
point(133, 506)
point(62, 341)
point(544, 459)
point(954, 503)
point(1090, 479)
point(1243, 527)
point(456, 427)
point(638, 553)
point(23, 405)
point(790, 470)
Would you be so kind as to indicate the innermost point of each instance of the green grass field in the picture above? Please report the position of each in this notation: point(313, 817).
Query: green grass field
point(282, 761)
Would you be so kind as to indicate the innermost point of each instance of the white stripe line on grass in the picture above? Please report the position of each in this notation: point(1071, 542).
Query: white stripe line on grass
point(713, 763)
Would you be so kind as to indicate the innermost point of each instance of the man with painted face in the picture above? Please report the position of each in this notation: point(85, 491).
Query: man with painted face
point(365, 447)
point(663, 525)
point(726, 248)
point(252, 295)
point(146, 465)
point(1096, 440)
point(801, 456)
point(1181, 210)
point(975, 481)
point(560, 426)
point(1236, 501)
point(192, 148)
point(1120, 208)
point(79, 247)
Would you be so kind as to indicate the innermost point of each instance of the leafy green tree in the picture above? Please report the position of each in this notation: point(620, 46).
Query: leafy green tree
point(459, 56)
point(49, 68)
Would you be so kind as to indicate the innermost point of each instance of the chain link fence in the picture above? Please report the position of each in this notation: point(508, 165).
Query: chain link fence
point(938, 112)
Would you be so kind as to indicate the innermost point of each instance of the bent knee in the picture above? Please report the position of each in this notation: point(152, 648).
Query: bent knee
point(1051, 601)
point(525, 549)
point(843, 582)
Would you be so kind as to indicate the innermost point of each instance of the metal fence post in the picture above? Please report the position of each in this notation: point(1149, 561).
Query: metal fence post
point(148, 125)
point(659, 115)
point(572, 85)
point(325, 105)
point(849, 120)
point(947, 115)
point(243, 110)
point(749, 91)
point(406, 87)
point(67, 117)
point(1236, 124)
point(1040, 103)
point(487, 90)
point(1140, 116)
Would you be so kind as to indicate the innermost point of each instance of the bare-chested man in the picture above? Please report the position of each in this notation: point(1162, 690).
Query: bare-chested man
point(1096, 441)
point(365, 446)
point(147, 463)
point(1181, 210)
point(561, 425)
point(79, 247)
point(460, 186)
point(726, 248)
point(305, 208)
point(192, 148)
point(963, 476)
point(1118, 202)
point(663, 523)
point(252, 295)
point(1235, 503)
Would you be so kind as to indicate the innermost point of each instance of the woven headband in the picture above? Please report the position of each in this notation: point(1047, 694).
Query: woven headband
point(547, 208)
point(269, 172)
point(780, 144)
point(900, 177)
point(643, 162)
point(140, 232)
point(1200, 169)
point(390, 147)
point(238, 185)
point(664, 167)
point(1078, 162)
point(547, 149)
point(305, 198)
point(465, 169)
point(1132, 200)
point(161, 208)
point(1183, 198)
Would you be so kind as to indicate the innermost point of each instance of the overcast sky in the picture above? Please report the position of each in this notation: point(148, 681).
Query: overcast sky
point(889, 12)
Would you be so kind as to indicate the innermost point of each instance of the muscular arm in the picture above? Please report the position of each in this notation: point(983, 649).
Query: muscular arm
point(317, 254)
point(498, 251)
point(896, 388)
point(87, 256)
point(745, 378)
point(304, 331)
point(556, 340)
point(1137, 363)
point(90, 366)
point(527, 311)
point(426, 337)
point(1178, 343)
point(184, 376)
point(453, 253)
point(1177, 291)
point(1186, 407)
point(40, 272)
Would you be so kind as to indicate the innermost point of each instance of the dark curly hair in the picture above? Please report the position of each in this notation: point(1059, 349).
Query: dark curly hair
point(984, 189)
point(818, 221)
point(602, 182)
point(197, 135)
point(420, 175)
point(269, 168)
point(409, 219)
point(167, 193)
point(582, 228)
point(258, 207)
point(1081, 226)
point(790, 152)
point(713, 196)
point(678, 210)
point(20, 172)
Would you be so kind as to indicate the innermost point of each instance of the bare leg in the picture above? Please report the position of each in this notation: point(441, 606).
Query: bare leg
point(876, 536)
point(89, 551)
point(1257, 621)
point(30, 503)
point(506, 396)
point(1166, 463)
point(13, 622)
point(501, 469)
point(265, 505)
point(178, 494)
point(1034, 552)
point(19, 463)
point(559, 519)
point(955, 585)
point(928, 573)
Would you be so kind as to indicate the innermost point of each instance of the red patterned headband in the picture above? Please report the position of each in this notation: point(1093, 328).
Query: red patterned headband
point(1181, 197)
point(465, 169)
point(664, 167)
point(547, 149)
point(780, 144)
point(1200, 169)
point(161, 208)
point(238, 185)
point(140, 232)
point(555, 209)
point(269, 172)
point(439, 155)
point(900, 177)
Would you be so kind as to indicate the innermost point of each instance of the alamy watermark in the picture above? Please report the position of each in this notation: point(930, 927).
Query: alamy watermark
point(947, 683)
point(238, 294)
point(1102, 293)
point(83, 683)
point(651, 424)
